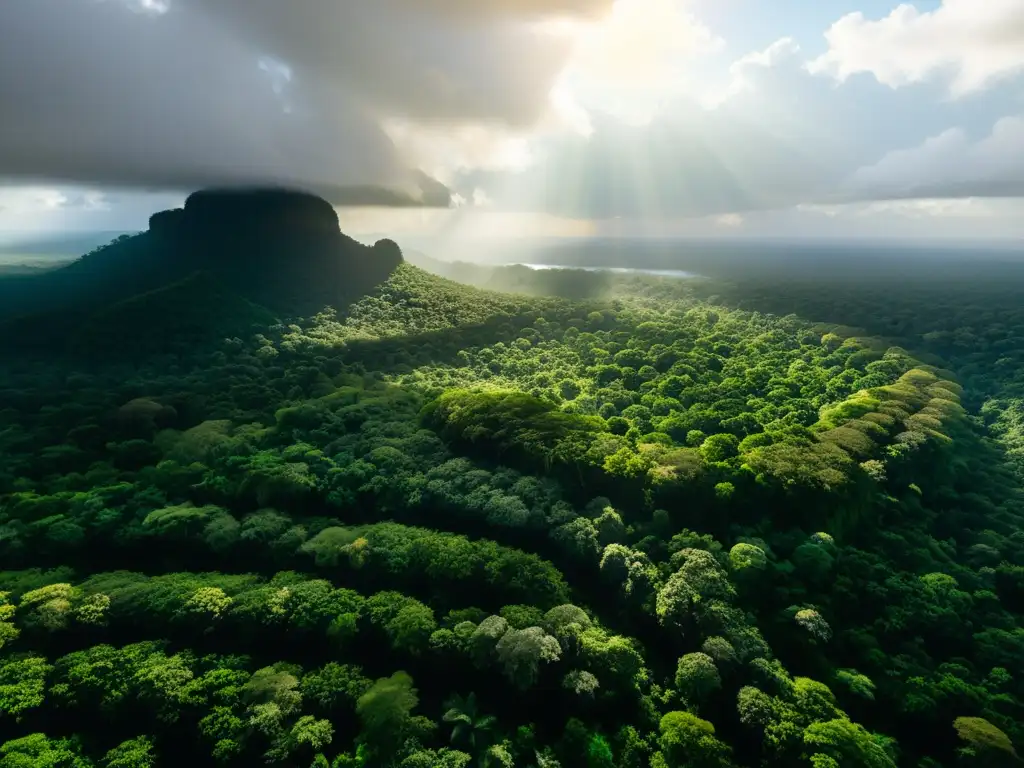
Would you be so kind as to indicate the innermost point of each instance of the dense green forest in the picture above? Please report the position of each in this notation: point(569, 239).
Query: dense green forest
point(602, 522)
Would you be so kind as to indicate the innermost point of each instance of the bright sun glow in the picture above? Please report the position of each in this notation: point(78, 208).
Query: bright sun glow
point(636, 60)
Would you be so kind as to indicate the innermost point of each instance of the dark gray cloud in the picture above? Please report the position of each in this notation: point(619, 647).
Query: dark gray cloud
point(418, 59)
point(170, 94)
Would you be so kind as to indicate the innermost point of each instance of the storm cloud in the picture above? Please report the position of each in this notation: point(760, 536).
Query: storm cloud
point(177, 94)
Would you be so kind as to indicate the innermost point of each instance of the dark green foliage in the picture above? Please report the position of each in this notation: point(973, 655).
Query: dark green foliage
point(445, 527)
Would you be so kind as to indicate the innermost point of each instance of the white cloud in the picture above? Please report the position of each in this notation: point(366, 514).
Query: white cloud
point(778, 51)
point(743, 71)
point(634, 61)
point(39, 206)
point(729, 220)
point(949, 165)
point(921, 208)
point(972, 42)
point(18, 200)
point(444, 150)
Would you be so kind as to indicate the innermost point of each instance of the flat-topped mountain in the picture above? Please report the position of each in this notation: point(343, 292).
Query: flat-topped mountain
point(277, 248)
point(212, 214)
point(280, 245)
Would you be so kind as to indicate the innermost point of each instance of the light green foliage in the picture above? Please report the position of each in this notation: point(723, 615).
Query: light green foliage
point(208, 602)
point(820, 760)
point(685, 740)
point(485, 637)
point(848, 744)
point(443, 758)
point(92, 610)
point(610, 528)
point(385, 710)
point(700, 578)
point(747, 556)
point(564, 621)
point(814, 624)
point(312, 733)
point(520, 653)
point(22, 684)
point(407, 622)
point(134, 753)
point(983, 738)
point(48, 606)
point(599, 752)
point(614, 659)
point(632, 570)
point(697, 677)
point(718, 448)
point(581, 682)
point(719, 649)
point(38, 751)
point(859, 684)
point(497, 756)
point(334, 686)
point(8, 632)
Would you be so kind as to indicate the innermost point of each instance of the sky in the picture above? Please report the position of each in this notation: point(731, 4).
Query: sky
point(463, 120)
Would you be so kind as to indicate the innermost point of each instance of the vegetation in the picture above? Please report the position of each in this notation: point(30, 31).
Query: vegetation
point(664, 524)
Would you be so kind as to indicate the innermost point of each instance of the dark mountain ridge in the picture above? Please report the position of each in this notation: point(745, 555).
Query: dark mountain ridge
point(276, 248)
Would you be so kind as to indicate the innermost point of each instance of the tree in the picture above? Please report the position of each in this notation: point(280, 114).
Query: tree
point(581, 682)
point(484, 640)
point(814, 623)
point(385, 711)
point(697, 677)
point(685, 740)
point(720, 447)
point(719, 649)
point(700, 578)
point(747, 556)
point(48, 607)
point(134, 753)
point(312, 733)
point(8, 632)
point(848, 744)
point(22, 684)
point(859, 685)
point(984, 740)
point(38, 751)
point(334, 685)
point(443, 758)
point(521, 651)
point(470, 727)
point(567, 621)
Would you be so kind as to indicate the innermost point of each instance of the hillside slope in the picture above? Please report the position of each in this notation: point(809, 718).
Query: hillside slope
point(643, 530)
point(275, 248)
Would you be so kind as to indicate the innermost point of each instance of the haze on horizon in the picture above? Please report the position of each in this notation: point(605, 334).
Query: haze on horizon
point(562, 118)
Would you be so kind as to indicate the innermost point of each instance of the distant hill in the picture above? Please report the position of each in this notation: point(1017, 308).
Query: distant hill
point(56, 244)
point(259, 251)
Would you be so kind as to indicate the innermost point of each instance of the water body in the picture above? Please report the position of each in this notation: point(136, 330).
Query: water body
point(613, 270)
